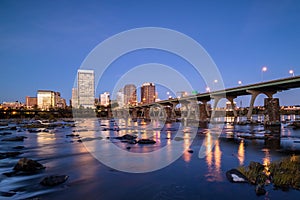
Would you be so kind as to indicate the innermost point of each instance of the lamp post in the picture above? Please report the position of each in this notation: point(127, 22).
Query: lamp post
point(215, 82)
point(291, 72)
point(207, 89)
point(240, 82)
point(263, 69)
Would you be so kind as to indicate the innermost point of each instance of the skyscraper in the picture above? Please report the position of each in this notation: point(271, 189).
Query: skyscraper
point(148, 94)
point(130, 94)
point(86, 88)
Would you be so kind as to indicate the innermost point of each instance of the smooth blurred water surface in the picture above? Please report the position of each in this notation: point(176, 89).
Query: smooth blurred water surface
point(189, 177)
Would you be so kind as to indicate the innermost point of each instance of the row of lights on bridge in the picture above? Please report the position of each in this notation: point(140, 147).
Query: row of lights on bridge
point(263, 69)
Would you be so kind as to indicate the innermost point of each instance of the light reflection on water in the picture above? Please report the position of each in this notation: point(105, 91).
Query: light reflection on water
point(241, 153)
point(65, 155)
point(213, 160)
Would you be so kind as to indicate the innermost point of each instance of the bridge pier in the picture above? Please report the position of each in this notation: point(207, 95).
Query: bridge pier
point(133, 113)
point(146, 112)
point(230, 99)
point(254, 94)
point(272, 111)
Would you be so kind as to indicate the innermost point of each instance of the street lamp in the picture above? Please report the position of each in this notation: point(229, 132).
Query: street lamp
point(292, 72)
point(215, 82)
point(240, 82)
point(263, 69)
point(207, 89)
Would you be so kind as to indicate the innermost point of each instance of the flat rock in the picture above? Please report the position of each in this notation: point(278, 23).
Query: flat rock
point(14, 139)
point(235, 176)
point(28, 165)
point(7, 194)
point(6, 133)
point(54, 180)
point(9, 154)
point(146, 141)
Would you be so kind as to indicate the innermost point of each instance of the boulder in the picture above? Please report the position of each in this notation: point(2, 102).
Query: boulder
point(19, 147)
point(14, 139)
point(126, 137)
point(54, 180)
point(7, 194)
point(235, 176)
point(5, 133)
point(9, 154)
point(190, 151)
point(28, 165)
point(146, 141)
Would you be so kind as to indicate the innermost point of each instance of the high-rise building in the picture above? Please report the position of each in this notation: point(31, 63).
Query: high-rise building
point(148, 94)
point(86, 88)
point(120, 97)
point(130, 94)
point(104, 99)
point(74, 98)
point(45, 99)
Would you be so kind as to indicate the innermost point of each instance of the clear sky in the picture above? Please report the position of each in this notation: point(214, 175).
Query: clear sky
point(43, 43)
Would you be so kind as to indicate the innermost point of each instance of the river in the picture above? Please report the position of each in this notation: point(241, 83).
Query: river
point(197, 173)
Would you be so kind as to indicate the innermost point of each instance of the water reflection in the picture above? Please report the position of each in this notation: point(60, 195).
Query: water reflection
point(241, 153)
point(213, 159)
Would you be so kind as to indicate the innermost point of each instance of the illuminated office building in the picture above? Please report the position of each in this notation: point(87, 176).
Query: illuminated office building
point(86, 88)
point(148, 94)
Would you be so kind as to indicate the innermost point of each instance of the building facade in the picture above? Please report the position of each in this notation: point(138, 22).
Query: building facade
point(86, 88)
point(31, 102)
point(104, 99)
point(130, 95)
point(74, 99)
point(45, 99)
point(148, 93)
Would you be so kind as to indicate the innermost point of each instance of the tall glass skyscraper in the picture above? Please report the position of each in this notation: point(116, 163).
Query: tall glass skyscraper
point(86, 88)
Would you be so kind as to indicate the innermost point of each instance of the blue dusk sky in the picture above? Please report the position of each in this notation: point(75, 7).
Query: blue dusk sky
point(44, 43)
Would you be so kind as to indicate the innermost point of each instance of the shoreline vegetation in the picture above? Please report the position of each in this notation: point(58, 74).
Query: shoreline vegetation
point(283, 174)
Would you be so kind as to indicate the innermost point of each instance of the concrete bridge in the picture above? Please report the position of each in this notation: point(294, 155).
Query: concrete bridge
point(195, 106)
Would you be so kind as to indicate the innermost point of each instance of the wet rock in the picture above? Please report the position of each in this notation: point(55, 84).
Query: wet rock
point(5, 133)
point(54, 180)
point(146, 141)
point(235, 176)
point(7, 194)
point(260, 190)
point(132, 142)
point(19, 147)
point(190, 151)
point(126, 137)
point(28, 165)
point(34, 130)
point(9, 154)
point(14, 139)
point(128, 148)
point(72, 135)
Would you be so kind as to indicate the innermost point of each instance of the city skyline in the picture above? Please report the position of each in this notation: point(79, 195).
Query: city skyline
point(44, 43)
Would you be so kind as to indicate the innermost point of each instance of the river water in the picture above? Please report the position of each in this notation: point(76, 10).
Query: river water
point(196, 174)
